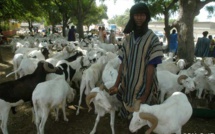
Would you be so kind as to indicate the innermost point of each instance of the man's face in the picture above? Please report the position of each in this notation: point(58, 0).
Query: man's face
point(139, 18)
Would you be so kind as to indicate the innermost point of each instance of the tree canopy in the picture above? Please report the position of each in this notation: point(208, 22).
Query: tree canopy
point(79, 12)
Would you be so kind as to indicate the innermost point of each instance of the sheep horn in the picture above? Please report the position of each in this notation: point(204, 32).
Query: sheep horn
point(151, 118)
point(181, 77)
point(128, 108)
point(88, 98)
point(186, 63)
point(203, 58)
point(209, 71)
point(50, 69)
point(53, 48)
point(206, 68)
point(69, 51)
point(213, 60)
point(203, 63)
point(103, 87)
point(134, 108)
point(50, 47)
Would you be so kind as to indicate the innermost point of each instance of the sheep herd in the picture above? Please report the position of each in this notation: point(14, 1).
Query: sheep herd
point(51, 71)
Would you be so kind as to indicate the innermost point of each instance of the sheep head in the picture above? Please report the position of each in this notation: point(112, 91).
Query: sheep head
point(50, 68)
point(69, 50)
point(181, 77)
point(187, 82)
point(208, 70)
point(136, 122)
point(141, 119)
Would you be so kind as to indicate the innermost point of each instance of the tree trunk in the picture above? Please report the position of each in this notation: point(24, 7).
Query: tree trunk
point(1, 59)
point(53, 28)
point(167, 28)
point(185, 30)
point(80, 20)
point(188, 10)
point(64, 27)
point(65, 20)
point(30, 25)
point(80, 28)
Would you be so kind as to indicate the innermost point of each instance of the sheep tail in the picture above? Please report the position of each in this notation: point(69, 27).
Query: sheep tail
point(13, 72)
point(16, 103)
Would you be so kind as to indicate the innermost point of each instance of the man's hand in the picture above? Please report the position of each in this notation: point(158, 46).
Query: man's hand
point(113, 90)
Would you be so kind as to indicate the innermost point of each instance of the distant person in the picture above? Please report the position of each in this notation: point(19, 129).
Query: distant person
point(212, 44)
point(100, 34)
point(173, 43)
point(71, 34)
point(1, 37)
point(112, 37)
point(202, 46)
point(48, 32)
point(104, 34)
point(66, 31)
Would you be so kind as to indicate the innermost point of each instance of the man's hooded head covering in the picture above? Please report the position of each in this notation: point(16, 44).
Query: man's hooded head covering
point(131, 26)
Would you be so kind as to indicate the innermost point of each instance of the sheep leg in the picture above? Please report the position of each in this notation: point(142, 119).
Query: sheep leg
point(96, 123)
point(81, 93)
point(200, 93)
point(79, 102)
point(14, 68)
point(33, 114)
point(36, 114)
point(178, 132)
point(112, 119)
point(44, 119)
point(56, 114)
point(5, 114)
point(64, 110)
point(162, 96)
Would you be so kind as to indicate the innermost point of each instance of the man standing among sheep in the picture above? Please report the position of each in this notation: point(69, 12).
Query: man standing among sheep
point(141, 52)
point(71, 34)
point(202, 46)
point(173, 43)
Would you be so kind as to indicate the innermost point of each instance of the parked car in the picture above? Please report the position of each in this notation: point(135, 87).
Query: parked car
point(160, 35)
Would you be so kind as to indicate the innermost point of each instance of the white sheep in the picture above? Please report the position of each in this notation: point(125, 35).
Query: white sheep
point(201, 79)
point(181, 63)
point(169, 66)
point(37, 54)
point(110, 71)
point(15, 92)
point(165, 118)
point(17, 58)
point(25, 50)
point(4, 113)
point(211, 83)
point(90, 77)
point(108, 47)
point(190, 71)
point(104, 103)
point(49, 95)
point(169, 83)
point(27, 66)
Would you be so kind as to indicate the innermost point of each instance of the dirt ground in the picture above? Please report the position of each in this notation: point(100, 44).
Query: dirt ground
point(21, 123)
